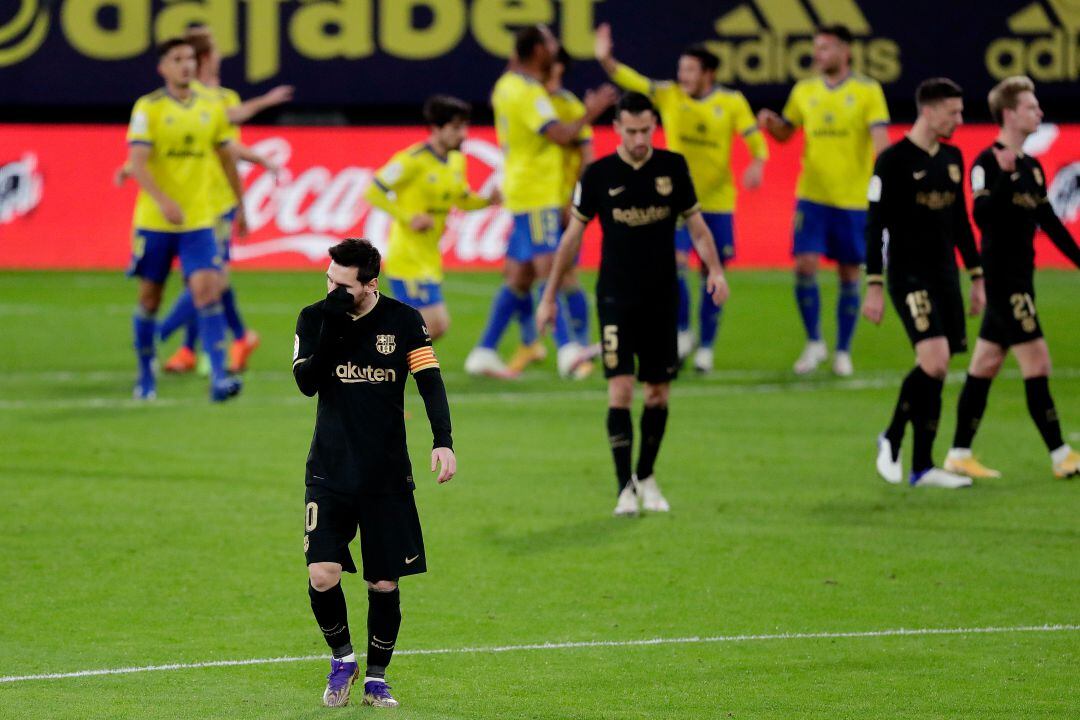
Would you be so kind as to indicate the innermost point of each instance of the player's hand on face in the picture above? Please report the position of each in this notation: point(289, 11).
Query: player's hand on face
point(1006, 158)
point(873, 307)
point(716, 285)
point(978, 297)
point(443, 459)
point(602, 44)
point(338, 302)
point(421, 222)
point(172, 211)
point(755, 173)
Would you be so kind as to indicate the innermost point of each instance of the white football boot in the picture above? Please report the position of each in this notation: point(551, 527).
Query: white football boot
point(486, 362)
point(685, 343)
point(651, 497)
point(891, 471)
point(627, 505)
point(703, 360)
point(936, 477)
point(813, 355)
point(842, 365)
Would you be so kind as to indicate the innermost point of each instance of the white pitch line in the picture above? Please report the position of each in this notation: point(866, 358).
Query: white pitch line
point(693, 640)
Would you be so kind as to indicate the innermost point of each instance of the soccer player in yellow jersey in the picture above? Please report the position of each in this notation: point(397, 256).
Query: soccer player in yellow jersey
point(571, 327)
point(176, 136)
point(700, 120)
point(227, 208)
point(530, 135)
point(417, 188)
point(845, 122)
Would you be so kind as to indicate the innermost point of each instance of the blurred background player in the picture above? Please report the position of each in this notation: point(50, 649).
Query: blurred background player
point(176, 137)
point(1010, 204)
point(638, 193)
point(918, 217)
point(417, 188)
point(530, 135)
point(571, 331)
point(844, 119)
point(227, 208)
point(700, 118)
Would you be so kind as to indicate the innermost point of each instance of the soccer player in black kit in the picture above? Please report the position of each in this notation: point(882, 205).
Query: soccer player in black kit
point(638, 193)
point(917, 220)
point(1010, 203)
point(355, 349)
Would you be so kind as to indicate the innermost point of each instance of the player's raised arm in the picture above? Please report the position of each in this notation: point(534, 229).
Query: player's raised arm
point(622, 75)
point(240, 114)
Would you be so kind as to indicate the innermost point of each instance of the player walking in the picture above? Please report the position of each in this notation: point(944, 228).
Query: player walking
point(918, 213)
point(1010, 203)
point(638, 193)
point(354, 349)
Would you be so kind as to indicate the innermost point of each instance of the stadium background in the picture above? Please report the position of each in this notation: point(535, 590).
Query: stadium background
point(70, 70)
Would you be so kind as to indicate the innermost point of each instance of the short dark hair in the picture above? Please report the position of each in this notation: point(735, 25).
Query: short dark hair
point(526, 41)
point(440, 110)
point(934, 90)
point(360, 254)
point(167, 46)
point(634, 103)
point(708, 59)
point(838, 31)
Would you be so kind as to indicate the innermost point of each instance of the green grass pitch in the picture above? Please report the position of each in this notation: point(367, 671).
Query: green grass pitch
point(171, 533)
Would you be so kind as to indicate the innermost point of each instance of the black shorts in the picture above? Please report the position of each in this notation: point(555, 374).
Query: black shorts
point(391, 542)
point(1010, 317)
point(930, 309)
point(647, 332)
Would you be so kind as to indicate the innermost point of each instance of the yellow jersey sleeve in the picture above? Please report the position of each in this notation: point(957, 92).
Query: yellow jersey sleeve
point(139, 130)
point(877, 111)
point(535, 109)
point(229, 100)
point(628, 78)
point(792, 111)
point(746, 126)
point(397, 173)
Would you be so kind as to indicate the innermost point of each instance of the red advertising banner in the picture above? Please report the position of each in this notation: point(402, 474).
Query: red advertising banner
point(59, 207)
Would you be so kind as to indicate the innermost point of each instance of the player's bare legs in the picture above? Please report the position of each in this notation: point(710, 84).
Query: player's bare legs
point(808, 298)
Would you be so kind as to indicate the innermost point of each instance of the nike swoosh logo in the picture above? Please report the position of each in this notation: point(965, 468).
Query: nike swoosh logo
point(615, 191)
point(409, 561)
point(919, 175)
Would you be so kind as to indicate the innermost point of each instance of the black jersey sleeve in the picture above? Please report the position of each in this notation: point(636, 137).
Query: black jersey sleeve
point(988, 185)
point(306, 365)
point(424, 367)
point(585, 205)
point(962, 233)
point(879, 193)
point(684, 201)
point(1051, 224)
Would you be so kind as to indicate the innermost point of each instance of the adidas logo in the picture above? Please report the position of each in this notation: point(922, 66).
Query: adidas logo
point(770, 42)
point(1051, 50)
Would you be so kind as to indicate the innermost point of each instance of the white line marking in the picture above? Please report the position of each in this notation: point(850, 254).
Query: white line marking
point(694, 640)
point(698, 389)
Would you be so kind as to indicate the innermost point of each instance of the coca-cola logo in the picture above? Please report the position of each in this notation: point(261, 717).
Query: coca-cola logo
point(1064, 192)
point(309, 208)
point(20, 187)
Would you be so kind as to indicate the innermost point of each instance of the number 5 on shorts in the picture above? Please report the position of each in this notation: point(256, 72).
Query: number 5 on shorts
point(611, 345)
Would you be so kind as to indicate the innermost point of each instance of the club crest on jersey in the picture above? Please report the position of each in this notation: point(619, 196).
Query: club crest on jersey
point(385, 344)
point(954, 172)
point(663, 185)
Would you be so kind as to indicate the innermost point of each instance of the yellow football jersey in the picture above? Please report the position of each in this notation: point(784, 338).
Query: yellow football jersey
point(222, 196)
point(532, 164)
point(701, 129)
point(421, 182)
point(838, 152)
point(568, 109)
point(183, 139)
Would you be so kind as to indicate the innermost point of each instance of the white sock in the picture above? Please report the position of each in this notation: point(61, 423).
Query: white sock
point(959, 453)
point(351, 657)
point(368, 679)
point(1059, 455)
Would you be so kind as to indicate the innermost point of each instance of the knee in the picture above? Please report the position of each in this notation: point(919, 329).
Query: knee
point(383, 586)
point(935, 366)
point(657, 395)
point(806, 265)
point(1039, 367)
point(323, 576)
point(621, 392)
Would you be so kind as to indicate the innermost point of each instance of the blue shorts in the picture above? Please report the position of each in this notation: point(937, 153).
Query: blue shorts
point(223, 231)
point(153, 252)
point(416, 293)
point(534, 233)
point(834, 232)
point(723, 232)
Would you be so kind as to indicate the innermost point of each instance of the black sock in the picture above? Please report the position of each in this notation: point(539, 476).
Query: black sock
point(901, 413)
point(925, 414)
point(970, 409)
point(1041, 407)
point(653, 422)
point(620, 431)
point(383, 622)
point(333, 618)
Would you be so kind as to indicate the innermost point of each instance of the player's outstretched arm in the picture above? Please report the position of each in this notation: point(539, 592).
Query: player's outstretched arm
point(248, 109)
point(138, 156)
point(1057, 232)
point(243, 152)
point(569, 245)
point(227, 156)
point(702, 238)
point(771, 122)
